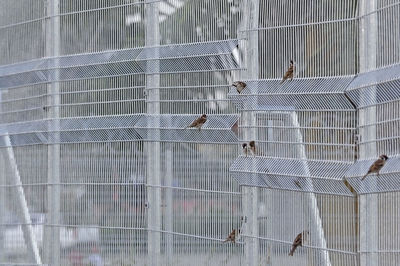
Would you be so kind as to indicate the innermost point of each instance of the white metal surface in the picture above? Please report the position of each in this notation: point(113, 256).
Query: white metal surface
point(28, 233)
point(95, 97)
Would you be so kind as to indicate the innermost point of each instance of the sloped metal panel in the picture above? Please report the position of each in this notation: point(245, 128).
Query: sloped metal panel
point(210, 56)
point(298, 94)
point(217, 129)
point(375, 87)
point(386, 181)
point(292, 174)
point(72, 130)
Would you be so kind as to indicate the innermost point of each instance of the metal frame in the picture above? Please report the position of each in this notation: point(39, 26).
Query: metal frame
point(95, 99)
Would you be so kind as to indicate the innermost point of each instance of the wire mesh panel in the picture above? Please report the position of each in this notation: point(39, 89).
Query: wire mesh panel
point(100, 164)
point(279, 229)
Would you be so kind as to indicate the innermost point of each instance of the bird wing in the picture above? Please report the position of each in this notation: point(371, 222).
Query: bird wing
point(201, 120)
point(194, 123)
point(376, 166)
point(231, 236)
point(297, 241)
point(380, 163)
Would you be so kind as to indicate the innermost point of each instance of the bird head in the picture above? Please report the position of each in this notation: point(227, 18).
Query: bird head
point(252, 143)
point(383, 157)
point(244, 145)
point(204, 116)
point(291, 62)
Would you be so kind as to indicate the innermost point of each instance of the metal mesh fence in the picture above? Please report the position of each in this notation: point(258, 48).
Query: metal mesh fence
point(98, 165)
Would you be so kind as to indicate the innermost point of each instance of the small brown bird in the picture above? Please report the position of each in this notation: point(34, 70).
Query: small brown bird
point(252, 145)
point(239, 85)
point(376, 166)
point(298, 184)
point(298, 241)
point(245, 148)
point(289, 73)
point(199, 122)
point(232, 236)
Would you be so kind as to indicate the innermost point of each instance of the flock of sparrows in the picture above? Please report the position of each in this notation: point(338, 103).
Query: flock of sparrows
point(240, 86)
point(251, 146)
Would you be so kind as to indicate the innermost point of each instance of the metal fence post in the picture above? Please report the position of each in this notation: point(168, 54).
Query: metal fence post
point(368, 204)
point(29, 236)
point(153, 150)
point(251, 194)
point(317, 229)
point(51, 231)
point(168, 203)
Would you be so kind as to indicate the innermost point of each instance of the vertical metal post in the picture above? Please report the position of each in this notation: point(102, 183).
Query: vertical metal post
point(251, 194)
point(168, 202)
point(153, 148)
point(316, 230)
point(2, 197)
point(52, 233)
point(27, 230)
point(368, 204)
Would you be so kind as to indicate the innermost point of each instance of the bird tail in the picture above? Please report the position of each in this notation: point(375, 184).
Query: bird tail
point(364, 176)
point(292, 251)
point(281, 81)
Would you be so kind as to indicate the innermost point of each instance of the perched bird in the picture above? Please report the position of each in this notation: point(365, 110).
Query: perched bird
point(252, 145)
point(289, 73)
point(245, 148)
point(298, 241)
point(232, 236)
point(376, 166)
point(239, 85)
point(199, 122)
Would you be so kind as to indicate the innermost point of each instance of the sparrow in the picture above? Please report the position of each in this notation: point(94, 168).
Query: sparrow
point(298, 241)
point(199, 122)
point(252, 145)
point(239, 85)
point(376, 166)
point(232, 236)
point(289, 73)
point(298, 184)
point(245, 148)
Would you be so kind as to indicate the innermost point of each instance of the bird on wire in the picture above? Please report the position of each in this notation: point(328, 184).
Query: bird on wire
point(298, 241)
point(239, 85)
point(232, 236)
point(289, 73)
point(376, 166)
point(199, 122)
point(252, 145)
point(245, 148)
